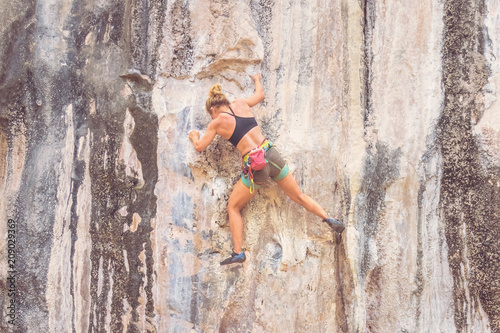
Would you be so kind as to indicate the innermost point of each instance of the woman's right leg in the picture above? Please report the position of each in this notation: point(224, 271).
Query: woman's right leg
point(239, 198)
point(290, 187)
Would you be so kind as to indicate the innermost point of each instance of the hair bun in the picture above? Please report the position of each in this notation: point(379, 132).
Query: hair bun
point(216, 89)
point(215, 98)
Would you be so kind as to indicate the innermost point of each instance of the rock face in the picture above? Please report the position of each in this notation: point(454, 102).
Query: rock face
point(386, 111)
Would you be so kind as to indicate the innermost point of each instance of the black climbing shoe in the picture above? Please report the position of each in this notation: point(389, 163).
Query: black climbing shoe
point(336, 225)
point(234, 258)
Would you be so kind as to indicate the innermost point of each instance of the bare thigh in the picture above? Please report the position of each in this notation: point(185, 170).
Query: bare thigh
point(290, 187)
point(240, 196)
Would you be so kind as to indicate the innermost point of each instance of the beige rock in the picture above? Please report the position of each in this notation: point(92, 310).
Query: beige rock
point(386, 112)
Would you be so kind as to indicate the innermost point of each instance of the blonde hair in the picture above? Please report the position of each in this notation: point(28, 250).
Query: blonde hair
point(215, 98)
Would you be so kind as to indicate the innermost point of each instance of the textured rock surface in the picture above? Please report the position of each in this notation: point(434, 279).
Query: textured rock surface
point(387, 113)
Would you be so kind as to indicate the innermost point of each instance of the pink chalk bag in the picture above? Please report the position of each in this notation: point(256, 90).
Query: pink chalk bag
point(255, 160)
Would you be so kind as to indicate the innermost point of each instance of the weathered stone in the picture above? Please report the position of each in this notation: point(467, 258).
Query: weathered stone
point(386, 112)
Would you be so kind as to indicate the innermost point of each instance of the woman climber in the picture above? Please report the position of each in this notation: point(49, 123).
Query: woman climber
point(235, 122)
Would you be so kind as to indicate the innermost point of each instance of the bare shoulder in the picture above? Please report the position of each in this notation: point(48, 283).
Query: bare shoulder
point(215, 123)
point(223, 125)
point(221, 121)
point(241, 105)
point(239, 102)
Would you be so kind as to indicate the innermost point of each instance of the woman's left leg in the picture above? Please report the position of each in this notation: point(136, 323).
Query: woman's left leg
point(238, 199)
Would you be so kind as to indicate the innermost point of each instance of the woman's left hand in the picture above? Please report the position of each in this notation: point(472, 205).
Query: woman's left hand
point(194, 134)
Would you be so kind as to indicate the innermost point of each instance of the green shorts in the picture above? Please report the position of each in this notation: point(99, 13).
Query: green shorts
point(276, 168)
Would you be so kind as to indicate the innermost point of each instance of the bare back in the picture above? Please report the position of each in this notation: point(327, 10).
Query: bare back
point(227, 125)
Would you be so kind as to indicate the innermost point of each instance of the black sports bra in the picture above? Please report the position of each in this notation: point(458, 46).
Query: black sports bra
point(243, 125)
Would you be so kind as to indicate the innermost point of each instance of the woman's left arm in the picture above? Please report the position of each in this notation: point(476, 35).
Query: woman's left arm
point(202, 144)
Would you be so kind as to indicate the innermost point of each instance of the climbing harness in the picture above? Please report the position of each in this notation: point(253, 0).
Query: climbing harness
point(255, 160)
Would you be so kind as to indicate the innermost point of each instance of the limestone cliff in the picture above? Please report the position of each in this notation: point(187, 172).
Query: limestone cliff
point(386, 111)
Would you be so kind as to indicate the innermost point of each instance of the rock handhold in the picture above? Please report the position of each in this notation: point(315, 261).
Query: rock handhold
point(135, 77)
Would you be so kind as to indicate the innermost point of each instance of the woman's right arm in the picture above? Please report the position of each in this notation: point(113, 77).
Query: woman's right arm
point(259, 94)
